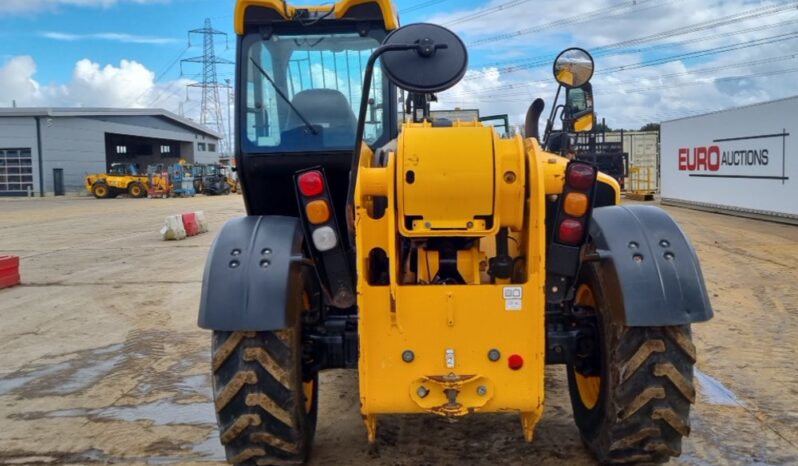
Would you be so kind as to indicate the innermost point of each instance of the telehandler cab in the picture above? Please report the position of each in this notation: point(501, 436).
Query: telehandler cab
point(444, 263)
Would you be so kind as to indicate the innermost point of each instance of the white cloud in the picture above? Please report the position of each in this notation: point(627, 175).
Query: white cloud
point(35, 6)
point(628, 98)
point(109, 36)
point(17, 83)
point(130, 84)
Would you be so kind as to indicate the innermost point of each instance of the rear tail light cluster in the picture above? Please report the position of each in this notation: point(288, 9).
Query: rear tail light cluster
point(315, 202)
point(580, 181)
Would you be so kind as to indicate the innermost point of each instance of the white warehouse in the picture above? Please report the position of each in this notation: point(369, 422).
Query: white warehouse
point(45, 151)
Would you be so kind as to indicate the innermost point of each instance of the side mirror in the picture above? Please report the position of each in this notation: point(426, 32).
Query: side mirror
point(437, 60)
point(579, 108)
point(573, 68)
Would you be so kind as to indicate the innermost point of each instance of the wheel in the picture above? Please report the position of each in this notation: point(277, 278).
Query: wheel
point(631, 399)
point(100, 190)
point(136, 190)
point(265, 408)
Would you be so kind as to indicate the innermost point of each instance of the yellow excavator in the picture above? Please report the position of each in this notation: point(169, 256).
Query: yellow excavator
point(447, 265)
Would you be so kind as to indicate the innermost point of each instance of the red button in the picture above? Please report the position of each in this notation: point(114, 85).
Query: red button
point(515, 362)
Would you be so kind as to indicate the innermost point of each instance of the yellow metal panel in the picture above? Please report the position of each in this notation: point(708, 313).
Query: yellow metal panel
point(389, 12)
point(554, 171)
point(446, 179)
point(466, 320)
point(511, 181)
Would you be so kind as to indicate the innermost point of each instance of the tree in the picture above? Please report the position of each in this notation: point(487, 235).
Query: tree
point(650, 127)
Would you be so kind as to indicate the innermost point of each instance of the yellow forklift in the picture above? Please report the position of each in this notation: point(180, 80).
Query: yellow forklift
point(447, 265)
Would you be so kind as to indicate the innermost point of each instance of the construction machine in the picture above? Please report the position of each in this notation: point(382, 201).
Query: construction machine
point(447, 265)
point(121, 178)
point(212, 179)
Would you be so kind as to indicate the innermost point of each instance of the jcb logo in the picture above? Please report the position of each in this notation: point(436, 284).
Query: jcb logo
point(701, 158)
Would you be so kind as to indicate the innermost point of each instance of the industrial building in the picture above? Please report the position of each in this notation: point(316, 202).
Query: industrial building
point(45, 151)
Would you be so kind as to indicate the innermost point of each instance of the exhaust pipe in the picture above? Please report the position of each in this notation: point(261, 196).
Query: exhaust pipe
point(533, 119)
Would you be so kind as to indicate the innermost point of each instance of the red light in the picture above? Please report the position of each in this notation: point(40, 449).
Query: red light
point(515, 362)
point(581, 176)
point(571, 231)
point(311, 183)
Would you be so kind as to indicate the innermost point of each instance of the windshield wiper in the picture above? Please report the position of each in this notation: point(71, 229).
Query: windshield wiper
point(286, 99)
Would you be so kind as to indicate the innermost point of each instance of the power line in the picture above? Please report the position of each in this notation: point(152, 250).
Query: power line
point(421, 6)
point(658, 61)
point(612, 49)
point(485, 11)
point(612, 10)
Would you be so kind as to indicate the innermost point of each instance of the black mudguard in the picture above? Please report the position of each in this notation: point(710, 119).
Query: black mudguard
point(253, 275)
point(646, 255)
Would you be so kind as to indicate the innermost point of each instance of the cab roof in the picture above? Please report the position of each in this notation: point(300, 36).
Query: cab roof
point(270, 11)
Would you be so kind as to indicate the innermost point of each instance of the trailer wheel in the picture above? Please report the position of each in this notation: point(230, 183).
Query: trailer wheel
point(266, 407)
point(136, 190)
point(100, 190)
point(637, 409)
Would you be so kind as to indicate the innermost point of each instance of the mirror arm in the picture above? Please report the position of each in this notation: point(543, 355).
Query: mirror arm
point(550, 121)
point(361, 127)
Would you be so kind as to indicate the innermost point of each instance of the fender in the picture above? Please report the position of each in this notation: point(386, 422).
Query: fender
point(252, 278)
point(646, 255)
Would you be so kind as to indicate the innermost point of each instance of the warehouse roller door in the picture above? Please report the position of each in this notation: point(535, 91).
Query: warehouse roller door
point(16, 172)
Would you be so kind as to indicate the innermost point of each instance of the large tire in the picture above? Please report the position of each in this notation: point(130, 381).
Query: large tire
point(137, 190)
point(266, 407)
point(637, 410)
point(100, 190)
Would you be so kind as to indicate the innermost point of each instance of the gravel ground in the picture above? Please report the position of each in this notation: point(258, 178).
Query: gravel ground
point(101, 360)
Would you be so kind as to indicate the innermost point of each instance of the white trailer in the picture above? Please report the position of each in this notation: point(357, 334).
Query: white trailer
point(742, 160)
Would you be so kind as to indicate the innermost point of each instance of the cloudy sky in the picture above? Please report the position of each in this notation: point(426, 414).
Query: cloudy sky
point(655, 59)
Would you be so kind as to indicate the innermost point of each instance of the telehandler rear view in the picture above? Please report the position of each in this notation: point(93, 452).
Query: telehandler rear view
point(444, 263)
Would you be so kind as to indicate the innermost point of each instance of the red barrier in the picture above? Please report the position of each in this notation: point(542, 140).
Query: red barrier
point(190, 224)
point(9, 271)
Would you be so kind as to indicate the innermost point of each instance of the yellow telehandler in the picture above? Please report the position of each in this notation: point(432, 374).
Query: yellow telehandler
point(120, 179)
point(446, 264)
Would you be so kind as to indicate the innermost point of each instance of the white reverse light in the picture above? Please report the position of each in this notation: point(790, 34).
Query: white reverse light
point(325, 238)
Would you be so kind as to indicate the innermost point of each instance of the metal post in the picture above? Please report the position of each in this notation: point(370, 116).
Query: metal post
point(229, 121)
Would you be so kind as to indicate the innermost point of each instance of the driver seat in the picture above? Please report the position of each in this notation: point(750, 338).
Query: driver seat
point(328, 109)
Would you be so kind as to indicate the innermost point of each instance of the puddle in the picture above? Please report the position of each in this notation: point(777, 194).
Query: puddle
point(87, 376)
point(161, 413)
point(210, 448)
point(16, 380)
point(196, 384)
point(715, 392)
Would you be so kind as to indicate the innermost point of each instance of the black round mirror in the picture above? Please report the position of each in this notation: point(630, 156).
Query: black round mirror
point(573, 67)
point(437, 64)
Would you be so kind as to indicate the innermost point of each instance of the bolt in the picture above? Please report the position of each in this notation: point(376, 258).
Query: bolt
point(558, 349)
point(554, 289)
point(234, 264)
point(633, 245)
point(235, 252)
point(638, 258)
point(422, 391)
point(427, 225)
point(482, 390)
point(669, 256)
point(265, 264)
point(509, 177)
point(265, 252)
point(470, 225)
point(494, 355)
point(408, 356)
point(664, 243)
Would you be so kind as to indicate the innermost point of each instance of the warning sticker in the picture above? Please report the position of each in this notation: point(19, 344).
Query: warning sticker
point(513, 298)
